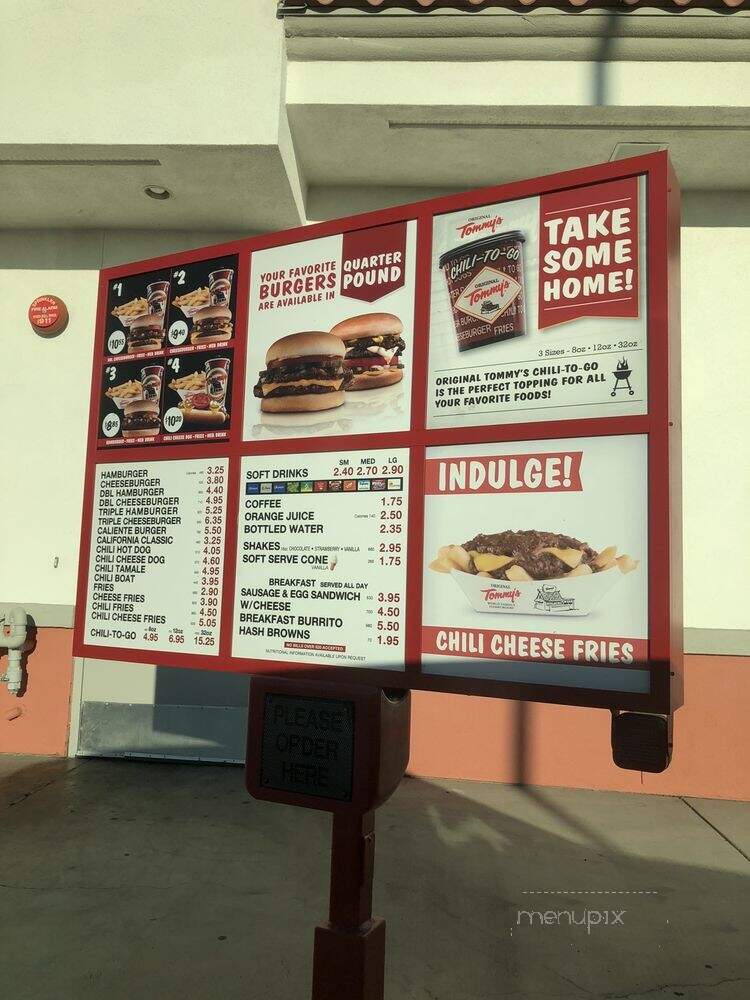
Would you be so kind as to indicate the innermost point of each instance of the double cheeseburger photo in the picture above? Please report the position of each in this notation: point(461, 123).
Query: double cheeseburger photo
point(312, 371)
point(211, 325)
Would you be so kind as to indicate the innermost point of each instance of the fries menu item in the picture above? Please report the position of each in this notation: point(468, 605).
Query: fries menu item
point(131, 389)
point(522, 556)
point(128, 311)
point(192, 301)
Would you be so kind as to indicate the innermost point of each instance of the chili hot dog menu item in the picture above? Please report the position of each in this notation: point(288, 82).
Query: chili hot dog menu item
point(538, 308)
point(321, 559)
point(157, 552)
point(536, 551)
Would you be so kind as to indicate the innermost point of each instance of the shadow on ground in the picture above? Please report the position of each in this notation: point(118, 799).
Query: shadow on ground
point(125, 879)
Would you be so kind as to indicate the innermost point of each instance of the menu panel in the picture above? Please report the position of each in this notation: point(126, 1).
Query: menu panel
point(536, 551)
point(321, 558)
point(331, 324)
point(157, 553)
point(538, 308)
point(168, 359)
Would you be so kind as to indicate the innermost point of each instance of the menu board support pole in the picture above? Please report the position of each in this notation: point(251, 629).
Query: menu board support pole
point(349, 956)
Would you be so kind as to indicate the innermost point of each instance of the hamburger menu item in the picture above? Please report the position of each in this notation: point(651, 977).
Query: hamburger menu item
point(211, 325)
point(523, 556)
point(374, 344)
point(485, 286)
point(146, 333)
point(304, 372)
point(141, 418)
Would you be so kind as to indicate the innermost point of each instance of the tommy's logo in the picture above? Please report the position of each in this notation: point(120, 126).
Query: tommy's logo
point(495, 594)
point(489, 295)
point(481, 226)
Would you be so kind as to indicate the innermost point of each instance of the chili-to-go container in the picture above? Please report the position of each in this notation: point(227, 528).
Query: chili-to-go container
point(485, 285)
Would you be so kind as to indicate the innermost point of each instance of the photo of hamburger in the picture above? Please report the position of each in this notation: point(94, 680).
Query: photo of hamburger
point(304, 373)
point(141, 418)
point(211, 325)
point(374, 344)
point(146, 333)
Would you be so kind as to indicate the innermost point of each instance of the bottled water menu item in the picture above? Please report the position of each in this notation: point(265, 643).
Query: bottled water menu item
point(157, 553)
point(321, 558)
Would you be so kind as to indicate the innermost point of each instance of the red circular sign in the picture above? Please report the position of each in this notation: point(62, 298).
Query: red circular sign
point(48, 315)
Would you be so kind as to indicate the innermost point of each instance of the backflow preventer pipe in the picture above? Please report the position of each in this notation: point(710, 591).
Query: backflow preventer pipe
point(15, 638)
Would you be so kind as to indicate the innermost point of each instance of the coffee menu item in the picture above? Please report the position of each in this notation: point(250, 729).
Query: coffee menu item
point(321, 559)
point(156, 558)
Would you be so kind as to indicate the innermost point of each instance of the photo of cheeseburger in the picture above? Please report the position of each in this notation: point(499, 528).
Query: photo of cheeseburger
point(211, 325)
point(304, 373)
point(145, 333)
point(141, 418)
point(374, 344)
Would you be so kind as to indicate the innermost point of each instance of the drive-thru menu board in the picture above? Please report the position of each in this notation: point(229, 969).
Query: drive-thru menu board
point(430, 447)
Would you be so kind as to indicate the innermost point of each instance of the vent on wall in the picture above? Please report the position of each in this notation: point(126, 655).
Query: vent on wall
point(80, 163)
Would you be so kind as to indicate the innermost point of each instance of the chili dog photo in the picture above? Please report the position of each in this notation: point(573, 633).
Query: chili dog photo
point(573, 590)
point(200, 390)
point(329, 321)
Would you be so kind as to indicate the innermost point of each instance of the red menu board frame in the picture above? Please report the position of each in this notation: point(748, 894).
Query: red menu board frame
point(660, 424)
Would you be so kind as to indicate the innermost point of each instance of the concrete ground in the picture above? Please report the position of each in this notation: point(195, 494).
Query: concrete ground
point(125, 879)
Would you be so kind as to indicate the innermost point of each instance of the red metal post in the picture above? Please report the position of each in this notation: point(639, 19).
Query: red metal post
point(349, 956)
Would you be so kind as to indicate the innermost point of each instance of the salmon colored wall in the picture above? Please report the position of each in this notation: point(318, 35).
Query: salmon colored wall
point(489, 740)
point(42, 725)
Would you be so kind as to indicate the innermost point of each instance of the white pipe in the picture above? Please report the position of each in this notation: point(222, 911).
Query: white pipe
point(14, 637)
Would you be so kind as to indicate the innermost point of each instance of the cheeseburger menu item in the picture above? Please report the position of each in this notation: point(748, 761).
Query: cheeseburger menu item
point(523, 556)
point(146, 333)
point(304, 372)
point(211, 325)
point(191, 302)
point(374, 344)
point(485, 286)
point(141, 418)
point(128, 311)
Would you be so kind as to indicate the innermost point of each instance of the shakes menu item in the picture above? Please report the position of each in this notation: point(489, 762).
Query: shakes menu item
point(357, 287)
point(548, 295)
point(548, 530)
point(157, 551)
point(321, 559)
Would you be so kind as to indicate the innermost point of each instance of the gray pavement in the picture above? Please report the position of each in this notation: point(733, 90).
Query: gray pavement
point(122, 879)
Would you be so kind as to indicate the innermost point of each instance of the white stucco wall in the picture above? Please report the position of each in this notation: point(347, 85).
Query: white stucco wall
point(140, 73)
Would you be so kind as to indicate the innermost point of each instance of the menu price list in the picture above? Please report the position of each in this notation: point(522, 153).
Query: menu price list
point(157, 555)
point(321, 559)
